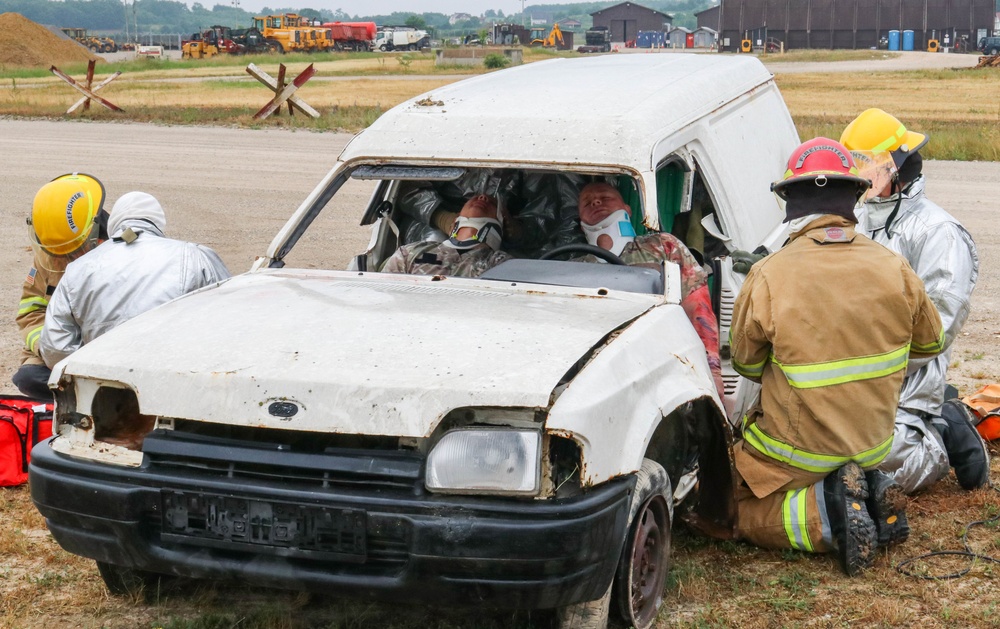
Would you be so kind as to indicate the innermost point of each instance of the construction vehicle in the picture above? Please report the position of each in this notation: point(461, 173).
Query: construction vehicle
point(401, 38)
point(554, 38)
point(95, 43)
point(285, 33)
point(208, 43)
point(357, 36)
point(224, 40)
point(598, 40)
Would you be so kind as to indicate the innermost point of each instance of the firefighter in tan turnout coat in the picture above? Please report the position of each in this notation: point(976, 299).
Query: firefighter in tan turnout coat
point(67, 220)
point(827, 325)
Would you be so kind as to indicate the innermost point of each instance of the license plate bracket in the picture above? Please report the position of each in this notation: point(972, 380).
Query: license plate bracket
point(286, 529)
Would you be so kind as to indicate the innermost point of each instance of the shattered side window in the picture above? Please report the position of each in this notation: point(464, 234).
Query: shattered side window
point(336, 233)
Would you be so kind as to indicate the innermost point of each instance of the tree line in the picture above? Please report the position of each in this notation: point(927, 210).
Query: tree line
point(171, 16)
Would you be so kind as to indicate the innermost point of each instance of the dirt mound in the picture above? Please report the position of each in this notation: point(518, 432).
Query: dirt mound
point(27, 44)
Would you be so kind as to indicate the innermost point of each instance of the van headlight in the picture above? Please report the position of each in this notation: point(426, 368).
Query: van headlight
point(487, 461)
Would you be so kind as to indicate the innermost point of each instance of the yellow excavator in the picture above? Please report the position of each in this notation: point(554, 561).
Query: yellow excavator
point(548, 41)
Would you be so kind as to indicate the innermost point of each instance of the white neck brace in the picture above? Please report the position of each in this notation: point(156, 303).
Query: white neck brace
point(616, 225)
point(488, 230)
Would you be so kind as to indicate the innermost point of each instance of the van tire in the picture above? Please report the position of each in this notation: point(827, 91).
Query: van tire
point(637, 587)
point(645, 561)
point(994, 51)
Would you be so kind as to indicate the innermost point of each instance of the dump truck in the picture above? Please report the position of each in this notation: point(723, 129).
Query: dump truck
point(357, 36)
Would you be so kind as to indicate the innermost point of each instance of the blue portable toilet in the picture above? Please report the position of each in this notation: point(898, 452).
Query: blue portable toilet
point(907, 40)
point(893, 40)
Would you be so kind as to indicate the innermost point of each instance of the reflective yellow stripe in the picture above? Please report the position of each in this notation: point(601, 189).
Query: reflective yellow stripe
point(811, 461)
point(755, 370)
point(932, 348)
point(841, 371)
point(32, 338)
point(30, 304)
point(889, 142)
point(793, 515)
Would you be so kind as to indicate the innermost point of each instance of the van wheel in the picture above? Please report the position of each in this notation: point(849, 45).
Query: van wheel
point(994, 51)
point(130, 582)
point(382, 47)
point(642, 569)
point(645, 562)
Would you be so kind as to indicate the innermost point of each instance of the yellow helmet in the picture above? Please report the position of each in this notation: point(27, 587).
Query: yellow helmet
point(877, 131)
point(64, 213)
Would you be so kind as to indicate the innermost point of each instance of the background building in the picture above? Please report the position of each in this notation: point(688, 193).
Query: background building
point(625, 20)
point(848, 23)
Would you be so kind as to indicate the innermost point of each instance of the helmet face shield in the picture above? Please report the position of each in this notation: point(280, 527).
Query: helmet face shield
point(879, 168)
point(56, 263)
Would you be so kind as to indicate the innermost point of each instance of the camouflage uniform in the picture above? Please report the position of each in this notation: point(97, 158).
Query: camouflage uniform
point(651, 250)
point(435, 258)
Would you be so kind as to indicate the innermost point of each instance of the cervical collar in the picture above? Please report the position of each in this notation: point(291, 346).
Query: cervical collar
point(488, 231)
point(615, 225)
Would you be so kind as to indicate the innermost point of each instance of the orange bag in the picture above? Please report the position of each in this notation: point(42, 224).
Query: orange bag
point(985, 403)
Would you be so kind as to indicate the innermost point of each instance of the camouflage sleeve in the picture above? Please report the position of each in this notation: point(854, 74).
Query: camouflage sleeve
point(399, 262)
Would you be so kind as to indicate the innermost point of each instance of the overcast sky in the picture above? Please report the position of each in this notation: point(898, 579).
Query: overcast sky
point(383, 7)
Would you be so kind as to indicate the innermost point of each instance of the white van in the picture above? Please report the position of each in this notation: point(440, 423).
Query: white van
point(524, 439)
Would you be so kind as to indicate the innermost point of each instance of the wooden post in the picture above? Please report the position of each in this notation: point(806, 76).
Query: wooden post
point(282, 92)
point(89, 93)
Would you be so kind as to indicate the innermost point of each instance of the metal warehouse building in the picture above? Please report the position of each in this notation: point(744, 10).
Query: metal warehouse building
point(848, 23)
point(625, 20)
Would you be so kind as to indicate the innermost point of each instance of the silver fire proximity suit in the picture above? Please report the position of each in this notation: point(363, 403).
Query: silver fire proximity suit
point(943, 255)
point(122, 278)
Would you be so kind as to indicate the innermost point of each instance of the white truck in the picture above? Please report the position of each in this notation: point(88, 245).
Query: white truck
point(524, 439)
point(401, 38)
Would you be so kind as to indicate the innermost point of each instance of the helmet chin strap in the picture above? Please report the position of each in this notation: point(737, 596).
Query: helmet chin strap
point(616, 226)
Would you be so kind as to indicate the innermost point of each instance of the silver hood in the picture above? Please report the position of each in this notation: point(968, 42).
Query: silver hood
point(373, 354)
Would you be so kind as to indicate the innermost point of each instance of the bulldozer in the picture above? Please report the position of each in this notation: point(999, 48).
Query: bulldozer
point(554, 38)
point(95, 43)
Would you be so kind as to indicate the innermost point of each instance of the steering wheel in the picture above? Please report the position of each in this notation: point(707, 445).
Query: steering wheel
point(582, 248)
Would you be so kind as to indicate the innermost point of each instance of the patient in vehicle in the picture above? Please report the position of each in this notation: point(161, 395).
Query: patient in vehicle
point(472, 248)
point(606, 222)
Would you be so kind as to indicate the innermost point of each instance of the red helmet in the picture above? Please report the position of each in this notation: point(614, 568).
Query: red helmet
point(820, 160)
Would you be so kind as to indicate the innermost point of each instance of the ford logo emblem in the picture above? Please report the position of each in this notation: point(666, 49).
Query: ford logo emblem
point(283, 409)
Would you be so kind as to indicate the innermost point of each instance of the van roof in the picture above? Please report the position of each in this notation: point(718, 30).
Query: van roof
point(605, 110)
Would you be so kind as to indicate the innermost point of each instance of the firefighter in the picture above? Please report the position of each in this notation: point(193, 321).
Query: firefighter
point(931, 434)
point(135, 270)
point(67, 220)
point(803, 327)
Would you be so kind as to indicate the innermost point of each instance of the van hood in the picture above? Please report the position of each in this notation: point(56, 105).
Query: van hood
point(344, 352)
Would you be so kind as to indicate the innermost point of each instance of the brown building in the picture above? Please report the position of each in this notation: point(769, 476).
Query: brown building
point(847, 23)
point(625, 20)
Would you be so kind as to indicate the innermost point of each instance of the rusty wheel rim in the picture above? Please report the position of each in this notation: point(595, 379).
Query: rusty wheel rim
point(649, 562)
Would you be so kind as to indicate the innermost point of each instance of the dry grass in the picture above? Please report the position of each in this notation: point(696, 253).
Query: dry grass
point(960, 112)
point(713, 584)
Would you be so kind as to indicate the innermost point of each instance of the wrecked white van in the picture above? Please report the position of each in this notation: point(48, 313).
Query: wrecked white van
point(525, 439)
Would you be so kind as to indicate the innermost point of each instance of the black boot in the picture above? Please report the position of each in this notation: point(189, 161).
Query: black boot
point(966, 449)
point(845, 492)
point(887, 507)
